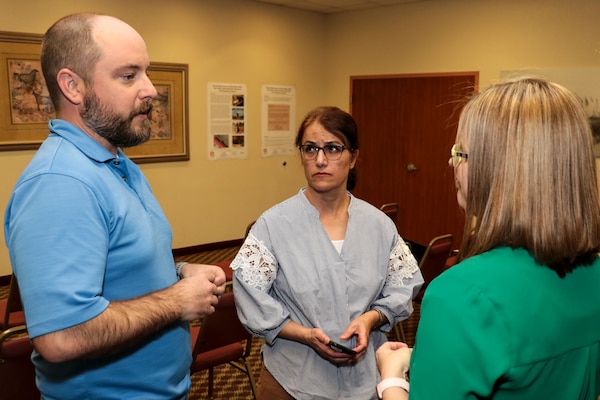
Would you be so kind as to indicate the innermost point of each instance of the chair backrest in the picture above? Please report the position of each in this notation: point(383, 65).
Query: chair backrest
point(434, 259)
point(226, 267)
point(17, 373)
point(221, 328)
point(219, 341)
point(11, 308)
point(391, 210)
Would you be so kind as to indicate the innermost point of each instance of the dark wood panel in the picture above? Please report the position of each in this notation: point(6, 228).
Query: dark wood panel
point(411, 120)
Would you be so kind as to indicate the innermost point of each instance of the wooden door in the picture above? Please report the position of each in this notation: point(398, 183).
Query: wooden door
point(407, 125)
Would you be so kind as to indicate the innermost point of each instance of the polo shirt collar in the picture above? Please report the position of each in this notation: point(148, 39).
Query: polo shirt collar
point(82, 141)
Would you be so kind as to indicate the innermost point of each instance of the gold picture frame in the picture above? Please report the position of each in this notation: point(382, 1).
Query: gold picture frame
point(25, 107)
point(24, 111)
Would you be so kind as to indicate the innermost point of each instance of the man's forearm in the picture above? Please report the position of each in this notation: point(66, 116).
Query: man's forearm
point(122, 324)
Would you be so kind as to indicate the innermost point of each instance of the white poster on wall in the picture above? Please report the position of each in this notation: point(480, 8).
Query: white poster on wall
point(278, 120)
point(226, 121)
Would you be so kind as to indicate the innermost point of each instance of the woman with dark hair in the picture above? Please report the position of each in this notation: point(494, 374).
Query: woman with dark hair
point(519, 317)
point(323, 267)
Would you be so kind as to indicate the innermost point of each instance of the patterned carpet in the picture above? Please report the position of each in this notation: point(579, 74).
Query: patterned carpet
point(3, 292)
point(231, 383)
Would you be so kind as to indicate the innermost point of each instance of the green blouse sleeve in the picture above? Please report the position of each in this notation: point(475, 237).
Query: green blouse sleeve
point(462, 347)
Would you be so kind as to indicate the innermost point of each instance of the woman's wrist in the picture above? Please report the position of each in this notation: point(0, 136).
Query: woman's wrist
point(392, 383)
point(378, 318)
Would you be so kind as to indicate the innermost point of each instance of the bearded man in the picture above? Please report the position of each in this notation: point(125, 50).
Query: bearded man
point(89, 244)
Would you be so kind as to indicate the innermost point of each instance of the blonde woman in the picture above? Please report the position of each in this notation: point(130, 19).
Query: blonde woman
point(519, 317)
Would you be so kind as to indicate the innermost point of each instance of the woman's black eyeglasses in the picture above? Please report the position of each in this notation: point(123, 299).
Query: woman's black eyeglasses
point(332, 151)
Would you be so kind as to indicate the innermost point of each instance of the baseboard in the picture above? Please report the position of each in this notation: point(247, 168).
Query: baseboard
point(5, 280)
point(184, 251)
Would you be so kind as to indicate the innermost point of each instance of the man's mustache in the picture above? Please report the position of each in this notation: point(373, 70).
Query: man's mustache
point(145, 108)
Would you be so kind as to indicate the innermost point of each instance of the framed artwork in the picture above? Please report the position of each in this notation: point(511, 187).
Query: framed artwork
point(25, 106)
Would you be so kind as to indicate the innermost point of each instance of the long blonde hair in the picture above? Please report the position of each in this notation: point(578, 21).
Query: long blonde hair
point(532, 174)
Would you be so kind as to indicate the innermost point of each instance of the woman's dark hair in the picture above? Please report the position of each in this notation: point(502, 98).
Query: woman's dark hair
point(339, 123)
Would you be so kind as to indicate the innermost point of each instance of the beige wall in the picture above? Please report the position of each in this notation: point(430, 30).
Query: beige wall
point(462, 35)
point(245, 42)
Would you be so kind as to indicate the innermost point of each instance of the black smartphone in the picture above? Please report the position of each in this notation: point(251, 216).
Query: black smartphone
point(340, 348)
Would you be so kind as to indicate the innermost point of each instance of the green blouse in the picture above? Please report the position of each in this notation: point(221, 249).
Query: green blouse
point(500, 326)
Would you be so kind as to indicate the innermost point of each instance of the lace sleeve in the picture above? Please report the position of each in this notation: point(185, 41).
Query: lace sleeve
point(256, 264)
point(402, 264)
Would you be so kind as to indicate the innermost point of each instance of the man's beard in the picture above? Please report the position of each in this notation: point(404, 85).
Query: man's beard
point(116, 129)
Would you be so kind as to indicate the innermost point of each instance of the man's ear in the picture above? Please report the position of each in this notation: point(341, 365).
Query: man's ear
point(71, 86)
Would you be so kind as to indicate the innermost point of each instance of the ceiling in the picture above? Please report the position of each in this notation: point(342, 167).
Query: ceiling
point(335, 6)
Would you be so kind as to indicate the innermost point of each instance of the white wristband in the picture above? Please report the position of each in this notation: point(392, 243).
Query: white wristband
point(392, 382)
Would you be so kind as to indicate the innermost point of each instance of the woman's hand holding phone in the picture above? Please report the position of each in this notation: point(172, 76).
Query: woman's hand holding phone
point(341, 348)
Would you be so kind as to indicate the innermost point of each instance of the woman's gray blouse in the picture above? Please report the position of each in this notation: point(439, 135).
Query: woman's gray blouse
point(289, 270)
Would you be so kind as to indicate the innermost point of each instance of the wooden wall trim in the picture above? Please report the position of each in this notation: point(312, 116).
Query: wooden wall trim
point(184, 251)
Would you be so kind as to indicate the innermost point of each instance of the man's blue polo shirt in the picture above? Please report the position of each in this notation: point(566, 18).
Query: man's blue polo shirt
point(83, 229)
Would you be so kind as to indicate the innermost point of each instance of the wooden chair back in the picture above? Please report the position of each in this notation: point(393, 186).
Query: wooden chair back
point(11, 309)
point(434, 260)
point(391, 210)
point(17, 373)
point(218, 340)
